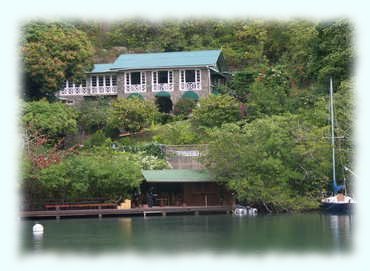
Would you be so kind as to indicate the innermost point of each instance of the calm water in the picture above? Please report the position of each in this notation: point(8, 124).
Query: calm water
point(214, 233)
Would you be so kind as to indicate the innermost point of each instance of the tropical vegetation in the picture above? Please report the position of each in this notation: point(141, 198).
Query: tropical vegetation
point(266, 129)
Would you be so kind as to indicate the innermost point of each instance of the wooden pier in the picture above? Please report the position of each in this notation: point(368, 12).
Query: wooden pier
point(196, 210)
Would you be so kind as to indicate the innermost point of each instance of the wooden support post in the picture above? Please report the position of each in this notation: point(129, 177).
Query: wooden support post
point(196, 212)
point(57, 209)
point(164, 213)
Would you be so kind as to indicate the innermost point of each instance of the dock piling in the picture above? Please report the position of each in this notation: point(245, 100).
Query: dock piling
point(100, 215)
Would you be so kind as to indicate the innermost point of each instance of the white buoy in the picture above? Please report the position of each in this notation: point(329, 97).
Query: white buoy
point(38, 229)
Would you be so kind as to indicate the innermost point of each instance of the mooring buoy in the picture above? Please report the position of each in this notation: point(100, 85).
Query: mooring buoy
point(38, 229)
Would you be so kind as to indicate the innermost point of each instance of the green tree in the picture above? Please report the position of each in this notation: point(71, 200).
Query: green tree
point(132, 114)
point(184, 107)
point(92, 175)
point(136, 35)
point(176, 133)
point(301, 38)
point(52, 53)
point(150, 161)
point(215, 110)
point(318, 115)
point(333, 51)
point(53, 120)
point(93, 114)
point(269, 93)
point(279, 162)
point(96, 139)
point(240, 84)
point(254, 36)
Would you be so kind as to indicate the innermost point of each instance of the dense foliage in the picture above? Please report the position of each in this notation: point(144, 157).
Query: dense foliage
point(151, 149)
point(267, 128)
point(52, 53)
point(215, 110)
point(311, 51)
point(277, 162)
point(93, 114)
point(53, 120)
point(97, 175)
point(269, 94)
point(184, 107)
point(132, 115)
point(176, 133)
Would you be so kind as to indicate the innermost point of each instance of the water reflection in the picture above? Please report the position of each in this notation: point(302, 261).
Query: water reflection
point(126, 227)
point(37, 242)
point(218, 233)
point(341, 229)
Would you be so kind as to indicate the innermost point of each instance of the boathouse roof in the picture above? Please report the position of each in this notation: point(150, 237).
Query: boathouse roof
point(176, 175)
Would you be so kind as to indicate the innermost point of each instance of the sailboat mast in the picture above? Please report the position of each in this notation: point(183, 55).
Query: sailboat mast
point(332, 133)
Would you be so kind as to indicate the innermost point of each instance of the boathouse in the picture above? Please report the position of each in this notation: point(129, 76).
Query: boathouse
point(185, 187)
point(187, 183)
point(165, 76)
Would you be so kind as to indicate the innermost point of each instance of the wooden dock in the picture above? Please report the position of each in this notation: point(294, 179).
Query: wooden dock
point(196, 210)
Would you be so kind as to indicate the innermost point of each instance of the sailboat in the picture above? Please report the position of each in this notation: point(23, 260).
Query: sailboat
point(339, 202)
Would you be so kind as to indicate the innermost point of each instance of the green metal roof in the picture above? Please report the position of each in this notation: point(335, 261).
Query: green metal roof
point(162, 94)
point(162, 60)
point(176, 175)
point(167, 59)
point(99, 68)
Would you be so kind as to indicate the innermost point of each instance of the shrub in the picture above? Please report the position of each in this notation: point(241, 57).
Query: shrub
point(163, 118)
point(96, 139)
point(53, 120)
point(176, 133)
point(92, 175)
point(152, 149)
point(271, 161)
point(132, 115)
point(269, 94)
point(93, 114)
point(215, 110)
point(184, 107)
point(150, 162)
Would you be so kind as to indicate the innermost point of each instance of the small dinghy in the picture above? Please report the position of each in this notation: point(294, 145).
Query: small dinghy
point(240, 210)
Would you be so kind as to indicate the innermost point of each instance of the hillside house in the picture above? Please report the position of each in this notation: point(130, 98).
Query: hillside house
point(169, 75)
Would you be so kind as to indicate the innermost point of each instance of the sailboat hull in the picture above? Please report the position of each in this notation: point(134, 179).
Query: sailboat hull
point(337, 208)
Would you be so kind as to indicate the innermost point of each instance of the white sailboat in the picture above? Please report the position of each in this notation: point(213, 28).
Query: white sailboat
point(339, 202)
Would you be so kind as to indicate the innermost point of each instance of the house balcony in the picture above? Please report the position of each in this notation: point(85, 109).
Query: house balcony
point(135, 88)
point(162, 87)
point(190, 86)
point(88, 91)
point(104, 90)
point(74, 91)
